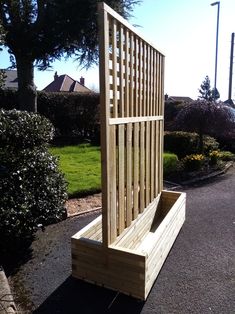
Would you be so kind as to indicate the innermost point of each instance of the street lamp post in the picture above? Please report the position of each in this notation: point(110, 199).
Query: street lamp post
point(216, 49)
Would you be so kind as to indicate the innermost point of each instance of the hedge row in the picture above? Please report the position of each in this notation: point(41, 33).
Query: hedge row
point(73, 115)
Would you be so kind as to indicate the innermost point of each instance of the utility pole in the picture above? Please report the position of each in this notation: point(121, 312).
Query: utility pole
point(216, 48)
point(231, 69)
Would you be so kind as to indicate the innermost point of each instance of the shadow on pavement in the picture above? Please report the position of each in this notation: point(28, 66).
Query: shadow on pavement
point(78, 297)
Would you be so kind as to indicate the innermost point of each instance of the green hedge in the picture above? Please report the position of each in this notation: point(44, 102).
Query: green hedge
point(32, 189)
point(74, 115)
point(186, 143)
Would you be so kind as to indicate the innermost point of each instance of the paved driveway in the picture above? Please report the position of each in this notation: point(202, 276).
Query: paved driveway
point(197, 277)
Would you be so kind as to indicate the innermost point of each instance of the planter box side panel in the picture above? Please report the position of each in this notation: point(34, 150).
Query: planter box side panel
point(111, 268)
point(163, 244)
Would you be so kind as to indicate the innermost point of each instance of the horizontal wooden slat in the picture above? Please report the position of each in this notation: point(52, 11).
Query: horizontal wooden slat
point(134, 119)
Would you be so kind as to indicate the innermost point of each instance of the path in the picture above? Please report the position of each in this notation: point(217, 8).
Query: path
point(197, 277)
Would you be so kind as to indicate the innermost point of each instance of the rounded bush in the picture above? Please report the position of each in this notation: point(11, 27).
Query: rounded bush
point(33, 190)
point(214, 157)
point(227, 156)
point(170, 163)
point(193, 162)
point(181, 143)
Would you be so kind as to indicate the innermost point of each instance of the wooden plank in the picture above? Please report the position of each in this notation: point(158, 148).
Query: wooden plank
point(134, 119)
point(144, 80)
point(140, 82)
point(136, 171)
point(121, 179)
point(127, 74)
point(136, 62)
point(92, 224)
point(129, 206)
point(152, 161)
point(143, 220)
point(121, 81)
point(114, 66)
point(156, 171)
point(112, 223)
point(142, 166)
point(104, 116)
point(131, 83)
point(147, 164)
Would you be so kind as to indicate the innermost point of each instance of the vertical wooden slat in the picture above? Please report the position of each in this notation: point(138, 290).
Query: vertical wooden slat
point(152, 161)
point(147, 164)
point(136, 171)
point(162, 122)
point(142, 166)
point(150, 80)
point(104, 116)
point(127, 73)
point(147, 81)
point(156, 172)
point(144, 80)
point(129, 166)
point(131, 84)
point(140, 89)
point(136, 65)
point(113, 185)
point(121, 84)
point(114, 63)
point(121, 179)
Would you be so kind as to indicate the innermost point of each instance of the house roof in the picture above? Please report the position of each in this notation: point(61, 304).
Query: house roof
point(180, 98)
point(11, 80)
point(64, 83)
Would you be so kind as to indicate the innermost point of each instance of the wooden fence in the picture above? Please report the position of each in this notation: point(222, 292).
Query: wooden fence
point(131, 84)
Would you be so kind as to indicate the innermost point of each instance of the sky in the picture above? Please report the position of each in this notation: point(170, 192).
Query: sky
point(185, 32)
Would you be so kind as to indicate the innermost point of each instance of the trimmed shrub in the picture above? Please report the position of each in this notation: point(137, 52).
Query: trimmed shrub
point(209, 144)
point(227, 156)
point(186, 143)
point(193, 162)
point(214, 157)
point(170, 163)
point(181, 143)
point(75, 116)
point(32, 189)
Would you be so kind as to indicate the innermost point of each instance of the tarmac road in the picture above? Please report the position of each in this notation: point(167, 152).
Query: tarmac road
point(197, 277)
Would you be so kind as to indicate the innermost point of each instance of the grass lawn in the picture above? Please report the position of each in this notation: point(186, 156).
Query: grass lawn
point(82, 168)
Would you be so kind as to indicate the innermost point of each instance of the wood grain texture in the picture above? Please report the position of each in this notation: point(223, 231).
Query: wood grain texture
point(125, 248)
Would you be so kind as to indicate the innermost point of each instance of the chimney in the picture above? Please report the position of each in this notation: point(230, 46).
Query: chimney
point(55, 75)
point(82, 81)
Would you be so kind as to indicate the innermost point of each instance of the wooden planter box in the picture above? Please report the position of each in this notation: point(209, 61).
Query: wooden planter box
point(132, 263)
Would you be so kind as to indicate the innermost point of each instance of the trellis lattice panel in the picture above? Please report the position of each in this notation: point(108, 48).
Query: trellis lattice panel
point(125, 248)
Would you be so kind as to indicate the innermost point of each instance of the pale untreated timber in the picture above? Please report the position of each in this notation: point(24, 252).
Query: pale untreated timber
point(140, 222)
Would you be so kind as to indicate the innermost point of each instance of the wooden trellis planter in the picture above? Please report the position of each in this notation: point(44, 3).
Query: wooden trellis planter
point(125, 248)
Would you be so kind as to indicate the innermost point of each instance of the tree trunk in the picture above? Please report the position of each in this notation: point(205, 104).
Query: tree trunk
point(26, 88)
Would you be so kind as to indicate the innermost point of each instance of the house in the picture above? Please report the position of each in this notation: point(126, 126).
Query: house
point(64, 83)
point(180, 99)
point(11, 79)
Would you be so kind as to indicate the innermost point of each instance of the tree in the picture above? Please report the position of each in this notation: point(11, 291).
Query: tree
point(206, 92)
point(2, 78)
point(41, 31)
point(205, 118)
